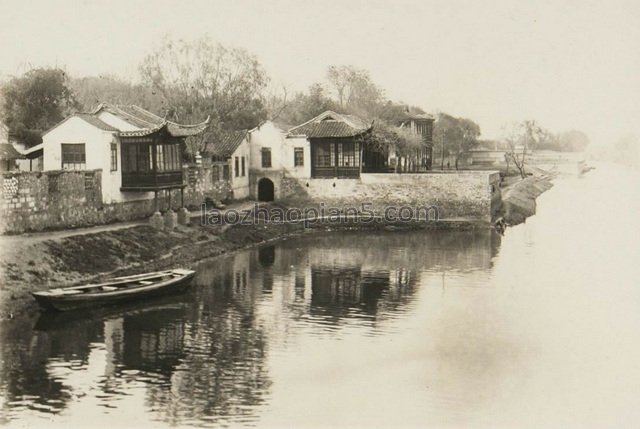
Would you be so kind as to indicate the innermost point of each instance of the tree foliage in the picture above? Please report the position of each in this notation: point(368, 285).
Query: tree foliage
point(204, 78)
point(35, 102)
point(302, 106)
point(354, 91)
point(457, 136)
point(89, 91)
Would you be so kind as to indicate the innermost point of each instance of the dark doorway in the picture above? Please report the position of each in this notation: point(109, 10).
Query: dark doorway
point(265, 190)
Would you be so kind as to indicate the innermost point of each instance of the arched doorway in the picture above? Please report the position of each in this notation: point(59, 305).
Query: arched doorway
point(265, 189)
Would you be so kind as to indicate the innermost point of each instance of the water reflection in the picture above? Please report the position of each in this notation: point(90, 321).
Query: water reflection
point(202, 358)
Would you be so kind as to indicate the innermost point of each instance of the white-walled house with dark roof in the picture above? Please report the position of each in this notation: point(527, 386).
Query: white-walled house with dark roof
point(232, 154)
point(138, 152)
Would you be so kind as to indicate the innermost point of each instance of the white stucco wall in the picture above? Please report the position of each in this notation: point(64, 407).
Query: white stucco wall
point(98, 156)
point(268, 135)
point(240, 184)
point(288, 164)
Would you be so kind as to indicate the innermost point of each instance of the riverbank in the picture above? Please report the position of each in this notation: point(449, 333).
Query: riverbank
point(29, 264)
point(35, 264)
point(519, 198)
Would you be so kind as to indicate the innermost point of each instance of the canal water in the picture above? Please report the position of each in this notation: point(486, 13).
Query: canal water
point(538, 328)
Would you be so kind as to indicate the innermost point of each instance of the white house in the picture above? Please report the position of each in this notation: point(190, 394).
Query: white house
point(232, 152)
point(138, 152)
point(275, 156)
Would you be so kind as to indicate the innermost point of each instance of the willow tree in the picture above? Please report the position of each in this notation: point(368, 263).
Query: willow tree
point(204, 78)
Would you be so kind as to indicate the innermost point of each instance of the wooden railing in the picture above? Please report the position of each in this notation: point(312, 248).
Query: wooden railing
point(149, 181)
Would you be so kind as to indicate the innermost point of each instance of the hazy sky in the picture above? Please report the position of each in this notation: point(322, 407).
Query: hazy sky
point(568, 64)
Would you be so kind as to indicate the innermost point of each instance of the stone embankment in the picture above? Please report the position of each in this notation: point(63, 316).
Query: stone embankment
point(519, 199)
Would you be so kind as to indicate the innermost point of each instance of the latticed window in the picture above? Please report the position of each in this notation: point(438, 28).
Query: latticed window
point(325, 156)
point(114, 157)
point(73, 156)
point(298, 157)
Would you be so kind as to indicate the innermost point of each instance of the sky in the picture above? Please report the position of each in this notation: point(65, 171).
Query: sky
point(567, 64)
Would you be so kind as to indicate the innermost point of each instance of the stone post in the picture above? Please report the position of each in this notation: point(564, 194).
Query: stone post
point(184, 217)
point(156, 220)
point(170, 220)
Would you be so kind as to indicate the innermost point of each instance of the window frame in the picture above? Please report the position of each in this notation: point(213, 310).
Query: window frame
point(114, 157)
point(298, 157)
point(80, 155)
point(266, 162)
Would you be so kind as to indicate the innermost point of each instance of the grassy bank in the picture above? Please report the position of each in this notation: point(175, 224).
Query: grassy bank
point(91, 257)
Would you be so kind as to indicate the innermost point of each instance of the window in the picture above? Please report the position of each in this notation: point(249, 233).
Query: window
point(73, 156)
point(114, 157)
point(298, 157)
point(168, 157)
point(215, 173)
point(225, 172)
point(160, 158)
point(266, 158)
point(237, 167)
point(325, 155)
point(243, 168)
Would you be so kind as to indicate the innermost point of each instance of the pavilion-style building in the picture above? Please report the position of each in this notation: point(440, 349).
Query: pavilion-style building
point(138, 152)
point(336, 144)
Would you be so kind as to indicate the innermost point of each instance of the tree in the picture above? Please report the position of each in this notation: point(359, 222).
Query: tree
point(35, 102)
point(90, 91)
point(459, 135)
point(302, 106)
point(355, 91)
point(203, 78)
point(521, 137)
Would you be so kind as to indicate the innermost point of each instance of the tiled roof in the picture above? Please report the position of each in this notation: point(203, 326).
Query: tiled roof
point(7, 151)
point(142, 132)
point(135, 115)
point(147, 122)
point(227, 144)
point(96, 122)
point(178, 130)
point(331, 124)
point(418, 116)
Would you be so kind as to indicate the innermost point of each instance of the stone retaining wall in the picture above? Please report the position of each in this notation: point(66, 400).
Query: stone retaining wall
point(36, 201)
point(467, 195)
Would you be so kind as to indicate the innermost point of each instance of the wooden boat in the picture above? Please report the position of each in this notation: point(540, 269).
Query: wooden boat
point(117, 290)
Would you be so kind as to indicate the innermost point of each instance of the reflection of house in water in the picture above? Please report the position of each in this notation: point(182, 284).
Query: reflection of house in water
point(340, 290)
point(153, 341)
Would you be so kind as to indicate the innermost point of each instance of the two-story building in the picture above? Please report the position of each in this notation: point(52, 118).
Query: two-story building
point(138, 152)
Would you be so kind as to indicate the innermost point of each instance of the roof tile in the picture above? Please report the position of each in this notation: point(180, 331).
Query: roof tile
point(227, 144)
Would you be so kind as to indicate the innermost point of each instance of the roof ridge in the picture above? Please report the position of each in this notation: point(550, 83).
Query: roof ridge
point(314, 119)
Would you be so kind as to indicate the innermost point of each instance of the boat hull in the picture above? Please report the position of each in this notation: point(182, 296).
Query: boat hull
point(74, 302)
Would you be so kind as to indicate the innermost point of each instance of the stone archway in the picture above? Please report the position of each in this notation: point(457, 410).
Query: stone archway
point(265, 189)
